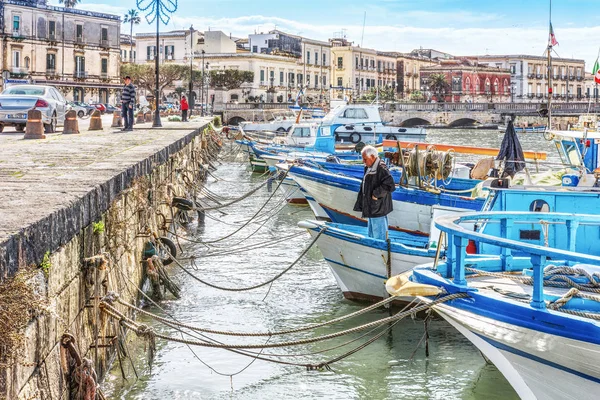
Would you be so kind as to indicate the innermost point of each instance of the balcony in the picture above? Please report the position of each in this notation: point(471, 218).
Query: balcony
point(103, 75)
point(571, 77)
point(170, 57)
point(80, 74)
point(531, 76)
point(50, 71)
point(579, 78)
point(52, 37)
point(339, 67)
point(563, 77)
point(79, 40)
point(104, 43)
point(539, 76)
point(20, 71)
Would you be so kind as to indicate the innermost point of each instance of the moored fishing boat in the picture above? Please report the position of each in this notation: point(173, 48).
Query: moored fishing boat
point(531, 302)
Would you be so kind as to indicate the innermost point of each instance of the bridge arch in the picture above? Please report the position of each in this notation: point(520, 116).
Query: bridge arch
point(235, 120)
point(415, 121)
point(464, 122)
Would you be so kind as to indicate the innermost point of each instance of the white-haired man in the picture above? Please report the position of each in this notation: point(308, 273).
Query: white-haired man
point(375, 195)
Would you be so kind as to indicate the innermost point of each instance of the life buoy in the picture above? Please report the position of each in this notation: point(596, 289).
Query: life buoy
point(355, 137)
point(391, 137)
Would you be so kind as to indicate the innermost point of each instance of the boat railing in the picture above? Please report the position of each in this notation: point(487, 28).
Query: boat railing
point(458, 237)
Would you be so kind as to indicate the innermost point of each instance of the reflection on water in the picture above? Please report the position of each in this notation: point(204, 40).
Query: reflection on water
point(391, 368)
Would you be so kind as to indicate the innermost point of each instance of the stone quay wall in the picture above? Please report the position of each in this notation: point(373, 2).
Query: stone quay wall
point(90, 246)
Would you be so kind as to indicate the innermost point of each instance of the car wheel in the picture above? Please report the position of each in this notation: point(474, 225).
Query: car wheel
point(19, 128)
point(51, 127)
point(80, 114)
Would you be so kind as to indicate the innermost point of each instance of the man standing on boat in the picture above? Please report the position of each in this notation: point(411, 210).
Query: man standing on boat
point(375, 195)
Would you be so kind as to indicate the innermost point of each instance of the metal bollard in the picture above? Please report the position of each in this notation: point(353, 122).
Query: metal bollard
point(148, 117)
point(34, 129)
point(95, 121)
point(139, 119)
point(71, 123)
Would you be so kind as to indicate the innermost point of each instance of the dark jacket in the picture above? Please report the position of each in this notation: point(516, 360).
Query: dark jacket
point(128, 94)
point(381, 185)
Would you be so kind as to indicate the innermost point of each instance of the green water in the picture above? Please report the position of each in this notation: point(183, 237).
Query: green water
point(394, 367)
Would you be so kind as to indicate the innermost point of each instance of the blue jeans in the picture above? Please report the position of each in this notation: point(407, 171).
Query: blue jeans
point(378, 227)
point(127, 114)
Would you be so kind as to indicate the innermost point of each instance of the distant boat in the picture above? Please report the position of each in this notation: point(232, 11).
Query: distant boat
point(525, 129)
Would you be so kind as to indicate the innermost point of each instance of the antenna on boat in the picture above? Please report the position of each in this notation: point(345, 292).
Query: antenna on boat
point(363, 30)
point(550, 90)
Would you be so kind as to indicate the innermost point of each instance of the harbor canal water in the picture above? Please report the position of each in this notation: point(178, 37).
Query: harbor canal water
point(395, 366)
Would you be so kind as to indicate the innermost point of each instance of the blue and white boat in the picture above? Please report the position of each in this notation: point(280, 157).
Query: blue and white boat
point(336, 194)
point(359, 263)
point(531, 302)
point(347, 123)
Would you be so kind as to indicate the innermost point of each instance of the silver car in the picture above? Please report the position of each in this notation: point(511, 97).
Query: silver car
point(16, 100)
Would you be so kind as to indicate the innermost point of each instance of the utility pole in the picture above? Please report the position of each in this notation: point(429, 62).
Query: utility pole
point(191, 92)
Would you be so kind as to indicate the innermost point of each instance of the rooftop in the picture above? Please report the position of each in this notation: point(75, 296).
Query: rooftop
point(62, 9)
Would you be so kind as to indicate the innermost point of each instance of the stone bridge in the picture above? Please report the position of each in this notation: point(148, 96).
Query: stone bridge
point(440, 114)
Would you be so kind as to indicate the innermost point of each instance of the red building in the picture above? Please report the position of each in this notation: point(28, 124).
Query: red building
point(468, 81)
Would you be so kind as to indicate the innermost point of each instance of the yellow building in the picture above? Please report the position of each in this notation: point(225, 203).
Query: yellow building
point(409, 72)
point(354, 69)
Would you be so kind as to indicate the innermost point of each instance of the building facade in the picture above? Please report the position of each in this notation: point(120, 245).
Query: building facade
point(530, 79)
point(276, 78)
point(468, 82)
point(128, 49)
point(76, 51)
point(409, 73)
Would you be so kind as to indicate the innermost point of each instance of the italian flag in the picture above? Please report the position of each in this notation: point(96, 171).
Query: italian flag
point(596, 72)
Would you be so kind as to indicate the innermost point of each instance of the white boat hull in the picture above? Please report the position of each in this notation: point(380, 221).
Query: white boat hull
point(292, 192)
point(361, 271)
point(538, 365)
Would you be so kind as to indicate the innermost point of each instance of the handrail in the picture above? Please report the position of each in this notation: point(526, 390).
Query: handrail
point(459, 236)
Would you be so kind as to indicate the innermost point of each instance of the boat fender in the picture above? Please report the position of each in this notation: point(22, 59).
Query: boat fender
point(391, 137)
point(400, 285)
point(355, 137)
point(359, 146)
point(401, 130)
point(182, 203)
point(168, 243)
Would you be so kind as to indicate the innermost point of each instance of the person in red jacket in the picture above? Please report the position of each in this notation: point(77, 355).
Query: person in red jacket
point(184, 108)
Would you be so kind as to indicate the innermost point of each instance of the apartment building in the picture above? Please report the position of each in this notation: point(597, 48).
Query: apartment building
point(76, 51)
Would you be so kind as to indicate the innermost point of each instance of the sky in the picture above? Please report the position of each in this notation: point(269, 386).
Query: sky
point(459, 27)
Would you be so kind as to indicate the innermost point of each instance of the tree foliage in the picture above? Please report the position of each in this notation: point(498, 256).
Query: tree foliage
point(69, 3)
point(439, 86)
point(143, 75)
point(385, 94)
point(230, 78)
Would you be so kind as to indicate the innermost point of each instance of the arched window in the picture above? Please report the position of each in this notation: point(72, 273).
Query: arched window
point(487, 85)
point(477, 87)
point(27, 62)
point(78, 94)
point(496, 86)
point(506, 87)
point(467, 84)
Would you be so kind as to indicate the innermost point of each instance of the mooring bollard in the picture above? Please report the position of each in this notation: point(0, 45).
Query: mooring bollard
point(117, 121)
point(34, 129)
point(71, 123)
point(148, 117)
point(139, 119)
point(95, 121)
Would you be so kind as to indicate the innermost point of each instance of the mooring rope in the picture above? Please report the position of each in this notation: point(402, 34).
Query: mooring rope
point(144, 331)
point(251, 334)
point(260, 284)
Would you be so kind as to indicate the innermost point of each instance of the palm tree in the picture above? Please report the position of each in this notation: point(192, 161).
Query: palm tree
point(69, 3)
point(132, 17)
point(439, 86)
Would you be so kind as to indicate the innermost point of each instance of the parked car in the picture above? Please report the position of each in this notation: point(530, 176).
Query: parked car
point(88, 108)
point(99, 106)
point(111, 109)
point(79, 109)
point(17, 100)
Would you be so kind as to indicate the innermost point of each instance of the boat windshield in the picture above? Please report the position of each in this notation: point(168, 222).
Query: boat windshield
point(301, 132)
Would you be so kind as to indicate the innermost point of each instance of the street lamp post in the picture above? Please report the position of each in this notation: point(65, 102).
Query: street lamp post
point(191, 92)
point(202, 88)
point(158, 10)
point(207, 82)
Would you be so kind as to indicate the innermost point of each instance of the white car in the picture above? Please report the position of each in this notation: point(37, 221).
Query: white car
point(17, 100)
